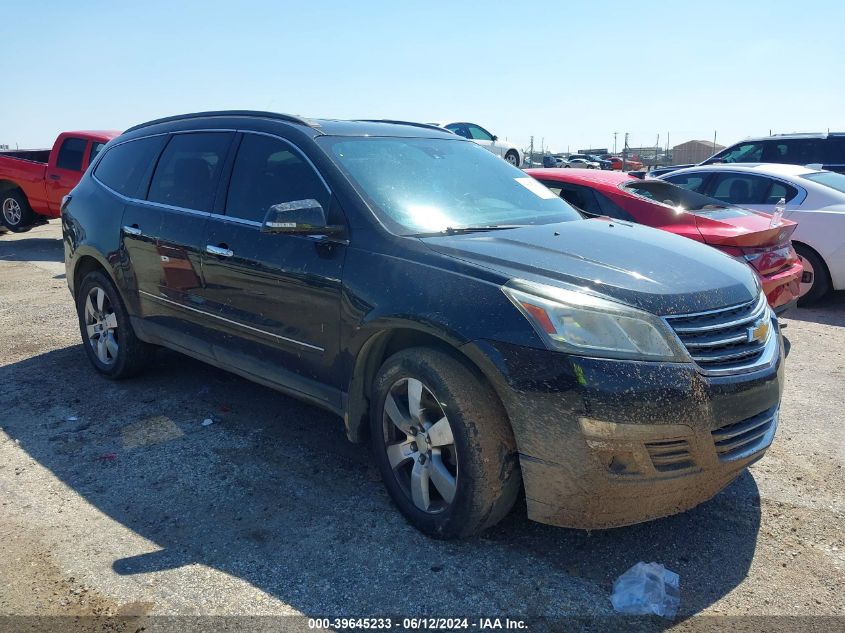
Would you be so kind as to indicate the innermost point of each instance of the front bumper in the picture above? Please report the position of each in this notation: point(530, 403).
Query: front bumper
point(605, 443)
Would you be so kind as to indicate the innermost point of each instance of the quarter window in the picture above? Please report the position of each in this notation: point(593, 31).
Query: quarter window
point(188, 171)
point(96, 148)
point(71, 153)
point(267, 172)
point(122, 167)
point(779, 190)
point(740, 188)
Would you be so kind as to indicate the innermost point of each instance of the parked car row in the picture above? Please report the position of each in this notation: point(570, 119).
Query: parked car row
point(483, 334)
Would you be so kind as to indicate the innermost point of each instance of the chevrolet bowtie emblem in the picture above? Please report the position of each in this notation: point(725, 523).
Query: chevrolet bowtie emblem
point(759, 331)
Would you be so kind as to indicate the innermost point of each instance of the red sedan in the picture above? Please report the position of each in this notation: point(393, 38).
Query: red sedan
point(744, 234)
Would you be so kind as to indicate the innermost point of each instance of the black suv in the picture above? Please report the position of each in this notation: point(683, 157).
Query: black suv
point(447, 306)
point(827, 150)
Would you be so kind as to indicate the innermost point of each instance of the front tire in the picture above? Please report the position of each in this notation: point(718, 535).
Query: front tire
point(107, 335)
point(15, 211)
point(817, 282)
point(512, 157)
point(443, 444)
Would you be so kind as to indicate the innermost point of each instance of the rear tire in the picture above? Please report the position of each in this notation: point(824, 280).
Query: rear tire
point(107, 335)
point(15, 211)
point(814, 266)
point(447, 455)
point(512, 157)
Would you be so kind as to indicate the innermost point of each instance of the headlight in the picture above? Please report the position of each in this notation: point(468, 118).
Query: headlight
point(578, 323)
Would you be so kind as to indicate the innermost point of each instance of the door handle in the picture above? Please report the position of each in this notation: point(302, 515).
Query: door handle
point(221, 251)
point(132, 230)
point(54, 176)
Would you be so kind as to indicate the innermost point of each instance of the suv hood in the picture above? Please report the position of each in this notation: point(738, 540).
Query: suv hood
point(646, 268)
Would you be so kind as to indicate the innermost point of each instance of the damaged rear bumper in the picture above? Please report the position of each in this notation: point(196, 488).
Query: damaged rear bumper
point(606, 443)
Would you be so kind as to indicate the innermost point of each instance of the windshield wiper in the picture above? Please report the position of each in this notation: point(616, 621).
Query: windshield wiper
point(449, 230)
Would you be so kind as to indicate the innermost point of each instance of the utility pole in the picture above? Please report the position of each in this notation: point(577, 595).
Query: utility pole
point(531, 152)
point(614, 141)
point(714, 141)
point(625, 154)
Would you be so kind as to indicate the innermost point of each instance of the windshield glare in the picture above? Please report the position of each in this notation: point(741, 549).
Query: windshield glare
point(421, 186)
point(829, 179)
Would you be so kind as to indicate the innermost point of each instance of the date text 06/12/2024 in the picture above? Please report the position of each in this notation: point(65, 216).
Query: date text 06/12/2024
point(428, 623)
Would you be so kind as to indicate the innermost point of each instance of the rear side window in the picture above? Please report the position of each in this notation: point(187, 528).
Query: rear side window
point(123, 166)
point(188, 171)
point(267, 172)
point(96, 148)
point(796, 151)
point(71, 153)
point(778, 190)
point(740, 188)
point(692, 182)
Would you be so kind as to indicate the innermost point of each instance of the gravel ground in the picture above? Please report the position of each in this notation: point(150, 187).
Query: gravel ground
point(116, 500)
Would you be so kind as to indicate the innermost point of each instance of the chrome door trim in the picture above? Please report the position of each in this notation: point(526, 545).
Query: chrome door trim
point(243, 325)
point(219, 251)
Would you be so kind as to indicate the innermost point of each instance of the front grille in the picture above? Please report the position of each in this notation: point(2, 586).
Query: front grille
point(669, 455)
point(719, 340)
point(745, 437)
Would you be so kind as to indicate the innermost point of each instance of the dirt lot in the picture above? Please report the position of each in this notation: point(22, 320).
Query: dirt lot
point(117, 500)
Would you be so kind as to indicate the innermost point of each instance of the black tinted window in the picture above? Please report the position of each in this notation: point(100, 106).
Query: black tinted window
point(96, 148)
point(71, 153)
point(123, 166)
point(693, 182)
point(796, 151)
point(188, 170)
point(267, 172)
point(740, 188)
point(835, 150)
point(778, 190)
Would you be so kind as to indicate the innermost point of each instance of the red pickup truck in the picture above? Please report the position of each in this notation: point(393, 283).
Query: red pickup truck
point(33, 182)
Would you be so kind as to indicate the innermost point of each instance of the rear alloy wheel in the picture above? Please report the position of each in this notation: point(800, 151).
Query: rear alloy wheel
point(110, 342)
point(513, 158)
point(815, 282)
point(15, 211)
point(443, 444)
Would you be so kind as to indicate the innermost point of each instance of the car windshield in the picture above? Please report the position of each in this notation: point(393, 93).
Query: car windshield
point(828, 179)
point(423, 186)
point(683, 199)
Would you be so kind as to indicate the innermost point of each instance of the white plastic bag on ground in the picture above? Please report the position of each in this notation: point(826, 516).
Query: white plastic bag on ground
point(647, 588)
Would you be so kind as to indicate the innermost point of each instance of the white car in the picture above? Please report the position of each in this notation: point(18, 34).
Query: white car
point(581, 163)
point(488, 141)
point(815, 199)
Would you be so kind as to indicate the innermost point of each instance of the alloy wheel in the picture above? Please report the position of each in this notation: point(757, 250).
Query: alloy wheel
point(420, 445)
point(12, 211)
point(511, 158)
point(101, 326)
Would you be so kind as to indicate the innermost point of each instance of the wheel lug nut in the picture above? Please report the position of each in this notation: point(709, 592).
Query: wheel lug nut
point(414, 431)
point(422, 458)
point(414, 448)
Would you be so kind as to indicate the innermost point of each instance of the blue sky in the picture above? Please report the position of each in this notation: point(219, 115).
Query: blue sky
point(571, 73)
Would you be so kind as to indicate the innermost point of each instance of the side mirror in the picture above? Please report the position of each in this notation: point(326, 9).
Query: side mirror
point(495, 138)
point(300, 217)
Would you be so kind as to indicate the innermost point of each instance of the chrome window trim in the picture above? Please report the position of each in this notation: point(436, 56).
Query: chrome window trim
point(243, 325)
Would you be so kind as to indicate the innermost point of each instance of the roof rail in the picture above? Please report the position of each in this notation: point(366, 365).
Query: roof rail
point(256, 113)
point(394, 122)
